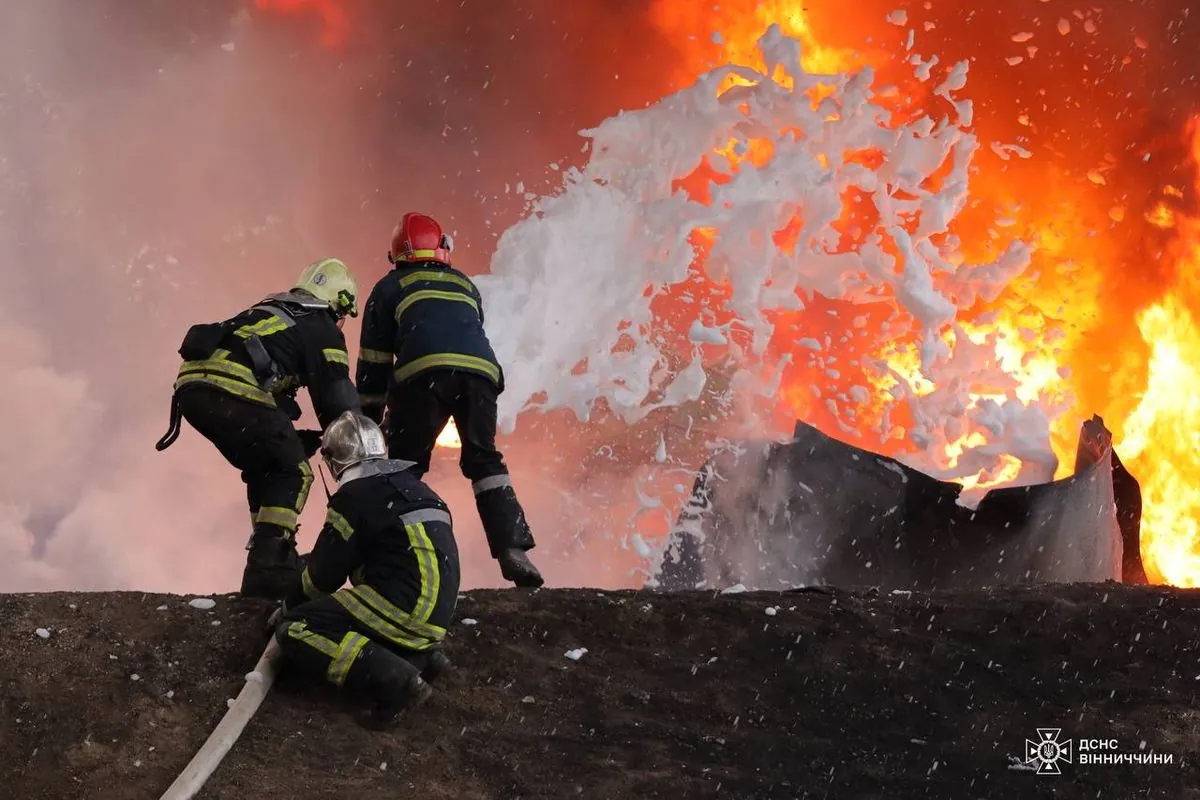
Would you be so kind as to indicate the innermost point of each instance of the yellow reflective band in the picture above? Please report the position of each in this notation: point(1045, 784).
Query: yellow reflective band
point(435, 275)
point(228, 385)
point(336, 356)
point(449, 360)
point(306, 482)
point(339, 523)
point(433, 294)
point(221, 354)
point(352, 644)
point(378, 604)
point(264, 327)
point(378, 624)
point(431, 576)
point(300, 632)
point(369, 356)
point(306, 583)
point(229, 376)
point(275, 515)
point(220, 366)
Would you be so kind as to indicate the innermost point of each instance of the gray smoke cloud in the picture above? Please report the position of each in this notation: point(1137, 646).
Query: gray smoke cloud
point(163, 164)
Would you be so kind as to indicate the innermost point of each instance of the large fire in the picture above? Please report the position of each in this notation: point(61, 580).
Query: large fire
point(1050, 333)
point(1039, 329)
point(1160, 438)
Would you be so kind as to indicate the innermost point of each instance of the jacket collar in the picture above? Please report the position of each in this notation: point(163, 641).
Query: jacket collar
point(367, 469)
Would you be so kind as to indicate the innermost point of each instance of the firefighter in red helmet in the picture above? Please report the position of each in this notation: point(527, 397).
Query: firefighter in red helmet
point(424, 357)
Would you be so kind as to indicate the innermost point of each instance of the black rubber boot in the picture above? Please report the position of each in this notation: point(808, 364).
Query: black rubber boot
point(388, 683)
point(508, 535)
point(272, 566)
point(431, 663)
point(516, 567)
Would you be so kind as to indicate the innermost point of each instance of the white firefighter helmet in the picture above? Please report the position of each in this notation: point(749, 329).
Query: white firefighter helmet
point(331, 280)
point(351, 439)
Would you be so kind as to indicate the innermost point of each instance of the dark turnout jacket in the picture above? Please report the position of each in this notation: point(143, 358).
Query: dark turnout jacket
point(267, 352)
point(420, 317)
point(391, 535)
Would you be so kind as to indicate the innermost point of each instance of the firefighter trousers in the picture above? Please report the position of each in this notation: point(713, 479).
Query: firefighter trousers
point(322, 639)
point(418, 410)
point(261, 442)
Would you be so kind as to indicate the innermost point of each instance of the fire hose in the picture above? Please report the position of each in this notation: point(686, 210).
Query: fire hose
point(219, 742)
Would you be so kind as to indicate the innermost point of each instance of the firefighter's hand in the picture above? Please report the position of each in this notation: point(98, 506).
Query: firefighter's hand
point(311, 439)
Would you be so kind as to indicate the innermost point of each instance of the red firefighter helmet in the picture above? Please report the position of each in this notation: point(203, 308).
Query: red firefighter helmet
point(419, 237)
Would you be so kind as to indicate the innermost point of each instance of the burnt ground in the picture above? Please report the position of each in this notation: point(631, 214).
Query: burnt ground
point(835, 695)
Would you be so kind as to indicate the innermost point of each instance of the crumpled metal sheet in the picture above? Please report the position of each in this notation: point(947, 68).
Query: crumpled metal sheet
point(816, 511)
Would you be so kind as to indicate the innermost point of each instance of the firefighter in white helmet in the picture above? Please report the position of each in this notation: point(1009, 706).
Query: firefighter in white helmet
point(391, 535)
point(237, 387)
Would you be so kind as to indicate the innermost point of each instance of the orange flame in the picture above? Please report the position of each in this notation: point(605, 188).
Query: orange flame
point(1161, 440)
point(1047, 332)
point(335, 24)
point(449, 436)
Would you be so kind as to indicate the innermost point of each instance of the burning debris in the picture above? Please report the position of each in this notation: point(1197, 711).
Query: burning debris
point(817, 511)
point(1104, 315)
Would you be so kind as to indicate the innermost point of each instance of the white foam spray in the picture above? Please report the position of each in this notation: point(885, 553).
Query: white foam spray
point(591, 258)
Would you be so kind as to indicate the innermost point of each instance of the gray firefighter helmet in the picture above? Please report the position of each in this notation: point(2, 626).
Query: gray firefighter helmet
point(351, 439)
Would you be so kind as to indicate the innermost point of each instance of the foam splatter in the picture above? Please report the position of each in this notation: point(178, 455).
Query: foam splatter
point(622, 215)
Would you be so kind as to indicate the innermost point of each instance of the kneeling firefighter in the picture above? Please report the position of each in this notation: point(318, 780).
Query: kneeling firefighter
point(237, 387)
point(391, 535)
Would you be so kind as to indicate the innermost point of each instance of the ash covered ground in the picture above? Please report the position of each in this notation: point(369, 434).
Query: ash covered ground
point(803, 694)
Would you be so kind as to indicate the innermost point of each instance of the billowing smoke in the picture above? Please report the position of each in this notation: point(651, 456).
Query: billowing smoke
point(169, 163)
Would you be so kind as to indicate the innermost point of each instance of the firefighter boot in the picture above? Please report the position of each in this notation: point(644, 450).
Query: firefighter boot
point(388, 683)
point(516, 567)
point(432, 663)
point(508, 535)
point(272, 566)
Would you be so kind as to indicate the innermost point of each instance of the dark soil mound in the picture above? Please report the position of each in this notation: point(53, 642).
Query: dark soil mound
point(810, 694)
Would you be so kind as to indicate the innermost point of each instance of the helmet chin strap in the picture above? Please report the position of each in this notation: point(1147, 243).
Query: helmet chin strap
point(321, 470)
